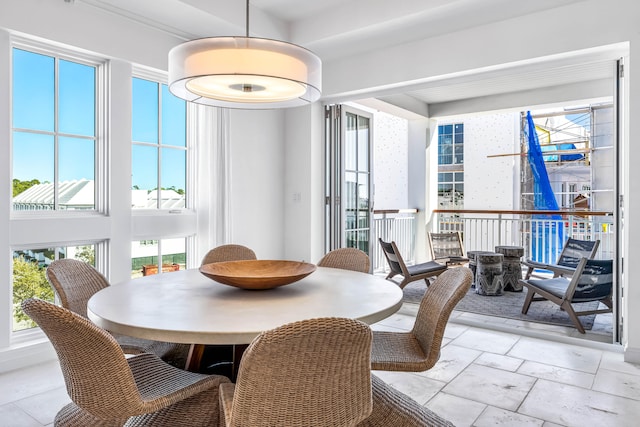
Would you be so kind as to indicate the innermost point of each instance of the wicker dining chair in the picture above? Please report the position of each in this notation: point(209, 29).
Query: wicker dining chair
point(392, 408)
point(75, 281)
point(419, 349)
point(108, 389)
point(311, 372)
point(347, 259)
point(228, 253)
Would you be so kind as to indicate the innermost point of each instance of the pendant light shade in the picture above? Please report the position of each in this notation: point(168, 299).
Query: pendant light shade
point(244, 72)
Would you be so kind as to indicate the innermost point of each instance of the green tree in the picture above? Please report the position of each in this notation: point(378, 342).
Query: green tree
point(29, 280)
point(20, 186)
point(86, 254)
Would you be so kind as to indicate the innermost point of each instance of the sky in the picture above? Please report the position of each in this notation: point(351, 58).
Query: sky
point(34, 109)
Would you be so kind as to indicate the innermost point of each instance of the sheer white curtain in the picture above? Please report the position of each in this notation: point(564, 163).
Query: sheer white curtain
point(221, 218)
point(212, 180)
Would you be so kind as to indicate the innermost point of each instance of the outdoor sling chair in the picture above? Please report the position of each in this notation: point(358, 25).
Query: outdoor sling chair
point(410, 273)
point(447, 248)
point(572, 251)
point(592, 280)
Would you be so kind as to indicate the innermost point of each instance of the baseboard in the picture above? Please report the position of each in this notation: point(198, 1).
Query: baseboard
point(25, 355)
point(632, 354)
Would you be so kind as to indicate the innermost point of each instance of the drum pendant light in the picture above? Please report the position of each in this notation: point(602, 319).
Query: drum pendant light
point(244, 72)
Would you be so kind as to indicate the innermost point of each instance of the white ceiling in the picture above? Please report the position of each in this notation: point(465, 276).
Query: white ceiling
point(338, 28)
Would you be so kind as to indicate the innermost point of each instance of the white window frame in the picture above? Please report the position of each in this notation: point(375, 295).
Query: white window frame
point(101, 207)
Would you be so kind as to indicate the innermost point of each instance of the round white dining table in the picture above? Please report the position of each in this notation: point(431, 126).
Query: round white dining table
point(187, 307)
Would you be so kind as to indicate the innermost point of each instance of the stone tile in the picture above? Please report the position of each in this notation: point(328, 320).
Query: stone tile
point(18, 417)
point(557, 354)
point(617, 383)
point(449, 407)
point(44, 406)
point(499, 361)
point(493, 416)
point(399, 322)
point(554, 373)
point(568, 405)
point(485, 340)
point(420, 388)
point(615, 362)
point(549, 424)
point(453, 360)
point(454, 330)
point(26, 382)
point(492, 386)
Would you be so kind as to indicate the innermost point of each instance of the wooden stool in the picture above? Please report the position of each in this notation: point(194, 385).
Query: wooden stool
point(489, 276)
point(473, 263)
point(511, 267)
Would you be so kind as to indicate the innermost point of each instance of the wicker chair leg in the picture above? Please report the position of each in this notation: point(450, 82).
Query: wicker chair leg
point(73, 416)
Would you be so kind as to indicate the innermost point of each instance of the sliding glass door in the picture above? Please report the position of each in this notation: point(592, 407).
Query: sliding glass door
point(349, 189)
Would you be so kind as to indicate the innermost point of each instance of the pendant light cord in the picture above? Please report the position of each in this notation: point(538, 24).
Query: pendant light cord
point(247, 13)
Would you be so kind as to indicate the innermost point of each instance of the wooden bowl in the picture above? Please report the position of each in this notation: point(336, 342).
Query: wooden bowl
point(257, 274)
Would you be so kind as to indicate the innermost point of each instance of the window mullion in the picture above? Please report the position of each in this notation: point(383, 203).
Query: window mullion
point(159, 201)
point(56, 94)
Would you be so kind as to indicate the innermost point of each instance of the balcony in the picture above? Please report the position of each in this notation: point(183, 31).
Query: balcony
point(541, 233)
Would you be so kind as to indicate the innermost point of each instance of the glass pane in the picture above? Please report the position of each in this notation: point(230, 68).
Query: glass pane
point(459, 138)
point(85, 253)
point(459, 158)
point(144, 121)
point(363, 241)
point(76, 98)
point(350, 147)
point(29, 281)
point(33, 91)
point(363, 144)
point(459, 176)
point(76, 173)
point(174, 254)
point(447, 129)
point(351, 239)
point(349, 199)
point(144, 258)
point(459, 128)
point(173, 179)
point(144, 179)
point(30, 170)
point(174, 119)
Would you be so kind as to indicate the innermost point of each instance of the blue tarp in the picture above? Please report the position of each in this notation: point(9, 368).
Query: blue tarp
point(547, 233)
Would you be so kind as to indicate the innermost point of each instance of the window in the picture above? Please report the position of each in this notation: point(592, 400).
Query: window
point(159, 147)
point(54, 115)
point(451, 144)
point(451, 190)
point(29, 280)
point(158, 256)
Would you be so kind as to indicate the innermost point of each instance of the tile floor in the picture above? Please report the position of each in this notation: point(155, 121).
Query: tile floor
point(491, 372)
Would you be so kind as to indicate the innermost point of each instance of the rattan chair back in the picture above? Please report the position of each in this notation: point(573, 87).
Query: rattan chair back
point(75, 282)
point(109, 389)
point(228, 253)
point(94, 367)
point(347, 259)
point(312, 372)
point(435, 309)
point(419, 349)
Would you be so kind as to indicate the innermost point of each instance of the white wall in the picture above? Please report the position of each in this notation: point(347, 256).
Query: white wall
point(304, 184)
point(257, 181)
point(390, 161)
point(486, 135)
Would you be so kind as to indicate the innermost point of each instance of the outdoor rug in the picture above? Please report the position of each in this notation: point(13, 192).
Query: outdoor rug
point(508, 305)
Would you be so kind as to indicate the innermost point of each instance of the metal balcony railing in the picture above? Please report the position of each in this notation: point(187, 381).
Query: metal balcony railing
point(541, 233)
